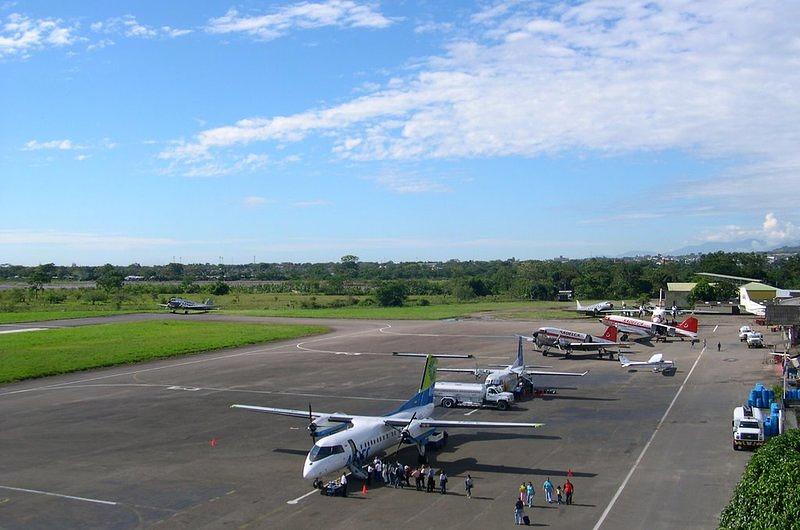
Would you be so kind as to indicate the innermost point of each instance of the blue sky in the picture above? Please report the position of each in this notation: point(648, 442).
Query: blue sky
point(303, 131)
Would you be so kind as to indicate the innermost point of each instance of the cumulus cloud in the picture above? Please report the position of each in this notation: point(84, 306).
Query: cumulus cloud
point(61, 145)
point(771, 232)
point(129, 26)
point(715, 79)
point(303, 15)
point(253, 201)
point(20, 35)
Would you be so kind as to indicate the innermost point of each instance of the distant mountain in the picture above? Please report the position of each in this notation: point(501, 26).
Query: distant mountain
point(745, 245)
point(788, 249)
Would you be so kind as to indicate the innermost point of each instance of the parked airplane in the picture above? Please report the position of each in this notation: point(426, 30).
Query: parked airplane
point(348, 441)
point(182, 304)
point(508, 376)
point(657, 362)
point(748, 305)
point(644, 328)
point(593, 309)
point(567, 340)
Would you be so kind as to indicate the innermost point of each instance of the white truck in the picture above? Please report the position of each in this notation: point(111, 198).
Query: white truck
point(748, 428)
point(743, 331)
point(755, 340)
point(450, 395)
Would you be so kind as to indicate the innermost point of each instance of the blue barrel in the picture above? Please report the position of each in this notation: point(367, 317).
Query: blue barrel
point(759, 402)
point(765, 397)
point(774, 408)
point(753, 395)
point(759, 386)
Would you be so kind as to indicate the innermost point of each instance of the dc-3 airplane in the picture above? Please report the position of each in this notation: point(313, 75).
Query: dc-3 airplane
point(346, 441)
point(182, 304)
point(643, 328)
point(754, 308)
point(567, 341)
point(508, 376)
point(657, 362)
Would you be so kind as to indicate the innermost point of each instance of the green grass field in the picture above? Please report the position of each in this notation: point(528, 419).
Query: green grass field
point(506, 310)
point(58, 351)
point(38, 316)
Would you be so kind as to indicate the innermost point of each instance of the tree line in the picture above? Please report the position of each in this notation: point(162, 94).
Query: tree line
point(595, 278)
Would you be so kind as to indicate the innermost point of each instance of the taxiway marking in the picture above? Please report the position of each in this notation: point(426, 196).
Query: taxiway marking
point(473, 411)
point(646, 446)
point(301, 497)
point(715, 328)
point(61, 495)
point(23, 330)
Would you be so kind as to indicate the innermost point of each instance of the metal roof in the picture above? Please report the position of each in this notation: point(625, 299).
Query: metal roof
point(758, 286)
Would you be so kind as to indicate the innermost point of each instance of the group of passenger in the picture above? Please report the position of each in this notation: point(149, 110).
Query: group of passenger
point(527, 493)
point(397, 475)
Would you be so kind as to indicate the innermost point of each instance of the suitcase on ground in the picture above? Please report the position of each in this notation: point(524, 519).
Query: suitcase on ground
point(526, 520)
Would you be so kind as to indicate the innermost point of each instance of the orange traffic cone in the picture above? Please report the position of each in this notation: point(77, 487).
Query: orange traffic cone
point(364, 489)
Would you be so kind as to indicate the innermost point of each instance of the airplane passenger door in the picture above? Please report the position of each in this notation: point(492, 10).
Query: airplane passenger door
point(354, 453)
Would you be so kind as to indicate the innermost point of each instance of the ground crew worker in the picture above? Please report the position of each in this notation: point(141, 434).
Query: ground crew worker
point(468, 486)
point(443, 483)
point(431, 474)
point(568, 489)
point(343, 482)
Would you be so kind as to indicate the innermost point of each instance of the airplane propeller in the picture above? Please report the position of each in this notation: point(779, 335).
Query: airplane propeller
point(312, 427)
point(404, 434)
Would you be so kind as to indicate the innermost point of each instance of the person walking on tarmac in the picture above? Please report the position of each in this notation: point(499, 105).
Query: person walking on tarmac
point(519, 511)
point(431, 475)
point(523, 492)
point(468, 486)
point(558, 495)
point(568, 489)
point(547, 486)
point(529, 494)
point(443, 483)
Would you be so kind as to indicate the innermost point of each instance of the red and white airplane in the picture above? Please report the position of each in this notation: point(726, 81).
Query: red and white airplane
point(568, 340)
point(645, 328)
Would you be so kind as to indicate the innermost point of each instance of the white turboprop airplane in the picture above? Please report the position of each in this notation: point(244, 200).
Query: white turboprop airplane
point(657, 362)
point(347, 441)
point(594, 309)
point(508, 376)
point(567, 340)
point(627, 325)
point(754, 308)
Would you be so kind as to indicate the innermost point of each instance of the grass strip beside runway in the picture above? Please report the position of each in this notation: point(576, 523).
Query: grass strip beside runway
point(505, 310)
point(58, 351)
point(41, 316)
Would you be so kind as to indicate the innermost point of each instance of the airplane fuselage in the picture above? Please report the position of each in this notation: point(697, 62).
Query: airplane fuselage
point(645, 328)
point(354, 446)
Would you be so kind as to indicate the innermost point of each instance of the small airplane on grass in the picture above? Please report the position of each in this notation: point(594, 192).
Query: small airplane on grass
point(656, 362)
point(567, 341)
point(508, 376)
point(176, 304)
point(593, 310)
point(348, 441)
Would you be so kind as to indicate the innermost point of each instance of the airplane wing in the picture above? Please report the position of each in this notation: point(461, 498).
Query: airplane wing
point(341, 418)
point(430, 422)
point(595, 345)
point(466, 370)
point(576, 374)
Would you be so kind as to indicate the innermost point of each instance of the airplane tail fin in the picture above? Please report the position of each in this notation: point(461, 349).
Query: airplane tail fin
point(624, 361)
point(519, 361)
point(744, 298)
point(425, 394)
point(690, 324)
point(611, 334)
point(656, 358)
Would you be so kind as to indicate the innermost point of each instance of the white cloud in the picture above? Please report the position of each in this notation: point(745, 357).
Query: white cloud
point(254, 201)
point(19, 35)
point(129, 26)
point(433, 27)
point(715, 79)
point(208, 168)
point(403, 183)
point(79, 239)
point(81, 158)
point(303, 15)
point(771, 232)
point(62, 145)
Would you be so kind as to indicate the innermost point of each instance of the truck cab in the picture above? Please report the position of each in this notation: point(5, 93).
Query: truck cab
point(743, 331)
point(450, 395)
point(748, 428)
point(755, 340)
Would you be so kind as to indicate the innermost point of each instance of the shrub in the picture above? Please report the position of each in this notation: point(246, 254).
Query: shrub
point(767, 496)
point(424, 301)
point(391, 294)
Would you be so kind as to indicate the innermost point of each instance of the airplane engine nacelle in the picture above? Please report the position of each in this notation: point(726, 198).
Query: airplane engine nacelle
point(563, 343)
point(322, 427)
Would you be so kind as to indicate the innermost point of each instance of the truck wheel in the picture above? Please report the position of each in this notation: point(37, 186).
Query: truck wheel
point(544, 353)
point(502, 404)
point(735, 447)
point(448, 403)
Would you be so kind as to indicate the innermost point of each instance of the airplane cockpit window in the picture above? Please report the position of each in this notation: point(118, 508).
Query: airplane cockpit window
point(318, 453)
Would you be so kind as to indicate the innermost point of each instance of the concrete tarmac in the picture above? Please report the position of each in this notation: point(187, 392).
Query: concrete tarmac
point(156, 444)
